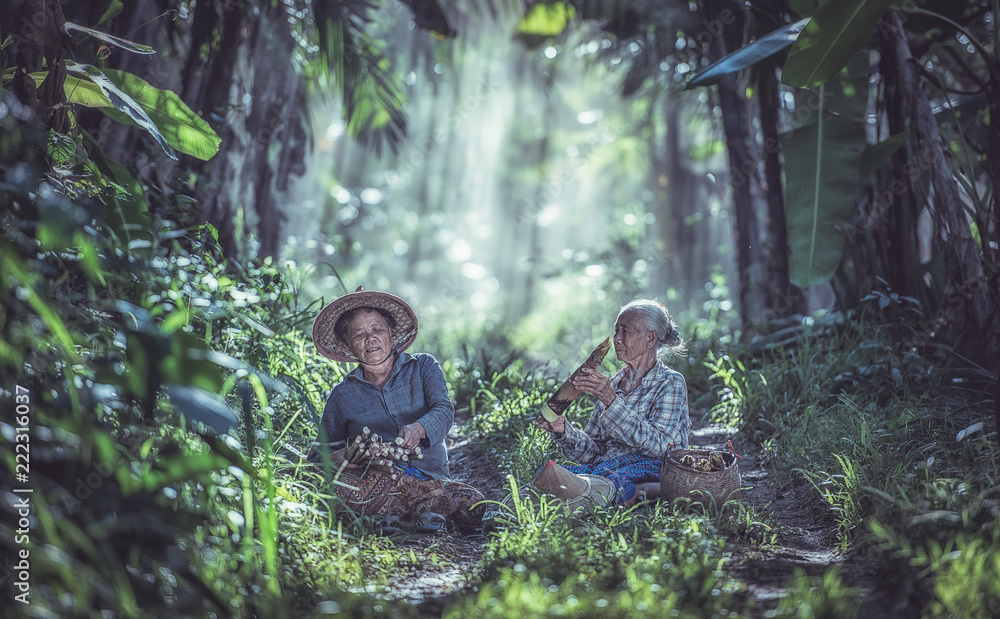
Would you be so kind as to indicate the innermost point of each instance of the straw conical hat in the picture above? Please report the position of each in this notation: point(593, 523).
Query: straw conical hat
point(330, 345)
point(576, 490)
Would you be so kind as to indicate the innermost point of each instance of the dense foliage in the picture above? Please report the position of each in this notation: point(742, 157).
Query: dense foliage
point(160, 387)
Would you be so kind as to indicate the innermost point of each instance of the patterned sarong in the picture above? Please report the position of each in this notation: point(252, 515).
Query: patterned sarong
point(408, 496)
point(624, 471)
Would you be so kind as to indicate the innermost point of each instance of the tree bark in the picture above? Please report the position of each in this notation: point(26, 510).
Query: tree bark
point(682, 249)
point(743, 173)
point(966, 302)
point(785, 298)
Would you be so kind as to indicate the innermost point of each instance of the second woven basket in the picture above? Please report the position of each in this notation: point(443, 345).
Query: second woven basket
point(706, 487)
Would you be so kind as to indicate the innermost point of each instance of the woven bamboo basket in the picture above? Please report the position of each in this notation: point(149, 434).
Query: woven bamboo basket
point(706, 487)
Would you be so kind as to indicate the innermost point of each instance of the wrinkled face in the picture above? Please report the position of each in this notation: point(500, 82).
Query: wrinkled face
point(369, 337)
point(633, 341)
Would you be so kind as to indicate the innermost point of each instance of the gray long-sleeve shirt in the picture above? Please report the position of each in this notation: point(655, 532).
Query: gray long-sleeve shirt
point(415, 391)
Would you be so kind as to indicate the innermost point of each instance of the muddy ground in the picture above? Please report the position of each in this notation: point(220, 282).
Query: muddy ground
point(804, 530)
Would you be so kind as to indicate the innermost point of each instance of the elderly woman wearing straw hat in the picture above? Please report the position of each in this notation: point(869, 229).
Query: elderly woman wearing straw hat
point(640, 412)
point(393, 394)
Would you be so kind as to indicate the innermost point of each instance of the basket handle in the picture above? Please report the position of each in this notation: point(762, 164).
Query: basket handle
point(729, 446)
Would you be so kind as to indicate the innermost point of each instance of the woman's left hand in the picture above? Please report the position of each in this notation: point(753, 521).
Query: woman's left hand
point(412, 434)
point(597, 384)
point(556, 427)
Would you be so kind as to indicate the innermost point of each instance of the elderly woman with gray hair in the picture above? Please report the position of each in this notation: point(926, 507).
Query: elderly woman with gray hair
point(640, 412)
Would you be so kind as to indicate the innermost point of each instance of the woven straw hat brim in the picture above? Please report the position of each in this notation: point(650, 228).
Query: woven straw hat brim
point(558, 481)
point(332, 347)
point(600, 492)
point(575, 489)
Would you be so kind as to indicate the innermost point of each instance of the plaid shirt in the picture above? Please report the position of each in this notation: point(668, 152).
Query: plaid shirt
point(415, 391)
point(643, 422)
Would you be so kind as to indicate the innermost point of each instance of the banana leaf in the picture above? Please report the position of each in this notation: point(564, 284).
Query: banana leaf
point(120, 101)
point(821, 171)
point(161, 112)
point(182, 128)
point(125, 44)
point(748, 55)
point(78, 90)
point(831, 38)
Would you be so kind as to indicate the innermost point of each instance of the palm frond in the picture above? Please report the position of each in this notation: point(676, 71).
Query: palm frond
point(372, 91)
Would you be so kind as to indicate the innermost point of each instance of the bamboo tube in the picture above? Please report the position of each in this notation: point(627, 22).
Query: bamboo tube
point(562, 398)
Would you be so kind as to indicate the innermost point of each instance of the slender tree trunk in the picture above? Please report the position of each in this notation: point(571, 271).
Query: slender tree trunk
point(991, 234)
point(896, 205)
point(786, 298)
point(681, 250)
point(966, 304)
point(743, 172)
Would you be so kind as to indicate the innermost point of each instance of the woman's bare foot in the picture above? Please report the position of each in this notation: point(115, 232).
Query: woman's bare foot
point(650, 489)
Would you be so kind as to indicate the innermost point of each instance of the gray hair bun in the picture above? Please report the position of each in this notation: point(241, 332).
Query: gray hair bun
point(657, 319)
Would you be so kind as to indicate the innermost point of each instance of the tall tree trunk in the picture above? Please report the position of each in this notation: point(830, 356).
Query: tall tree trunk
point(991, 234)
point(743, 173)
point(966, 304)
point(786, 298)
point(991, 238)
point(676, 238)
point(895, 205)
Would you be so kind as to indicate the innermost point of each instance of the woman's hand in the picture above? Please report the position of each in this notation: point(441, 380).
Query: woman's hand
point(340, 462)
point(597, 384)
point(556, 427)
point(412, 434)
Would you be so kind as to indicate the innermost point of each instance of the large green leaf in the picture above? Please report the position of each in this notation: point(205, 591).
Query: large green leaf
point(120, 101)
point(750, 54)
point(179, 124)
point(821, 168)
point(831, 38)
point(173, 121)
point(82, 91)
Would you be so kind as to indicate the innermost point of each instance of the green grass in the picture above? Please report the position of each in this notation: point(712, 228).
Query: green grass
point(180, 521)
point(616, 562)
point(873, 429)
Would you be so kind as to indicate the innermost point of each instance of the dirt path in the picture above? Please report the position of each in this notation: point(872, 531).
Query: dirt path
point(451, 559)
point(805, 539)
